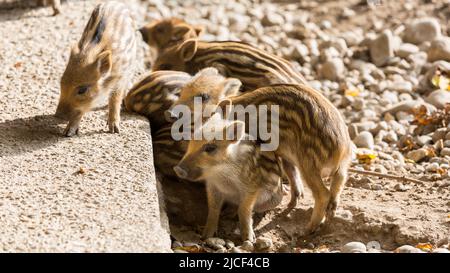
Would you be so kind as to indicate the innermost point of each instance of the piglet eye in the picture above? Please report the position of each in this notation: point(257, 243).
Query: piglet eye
point(82, 90)
point(209, 148)
point(205, 97)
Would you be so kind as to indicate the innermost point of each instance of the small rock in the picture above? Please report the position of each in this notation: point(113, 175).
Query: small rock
point(285, 249)
point(235, 250)
point(390, 136)
point(354, 247)
point(247, 246)
point(364, 140)
point(263, 243)
point(180, 251)
point(400, 86)
point(215, 243)
point(438, 98)
point(417, 155)
point(424, 140)
point(400, 187)
point(359, 104)
point(439, 134)
point(332, 70)
point(345, 215)
point(176, 244)
point(422, 30)
point(373, 245)
point(221, 249)
point(445, 151)
point(272, 19)
point(406, 49)
point(433, 167)
point(229, 244)
point(440, 250)
point(382, 48)
point(408, 249)
point(439, 50)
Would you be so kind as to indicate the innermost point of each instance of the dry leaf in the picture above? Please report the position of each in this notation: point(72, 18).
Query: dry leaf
point(424, 246)
point(81, 171)
point(431, 152)
point(191, 249)
point(353, 92)
point(441, 80)
point(18, 65)
point(366, 157)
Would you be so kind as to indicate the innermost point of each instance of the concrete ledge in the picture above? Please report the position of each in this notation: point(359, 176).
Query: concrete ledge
point(92, 193)
point(96, 192)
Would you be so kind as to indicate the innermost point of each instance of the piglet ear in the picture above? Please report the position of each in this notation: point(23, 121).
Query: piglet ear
point(179, 31)
point(188, 49)
point(145, 33)
point(235, 131)
point(104, 62)
point(231, 87)
point(74, 50)
point(199, 30)
point(224, 108)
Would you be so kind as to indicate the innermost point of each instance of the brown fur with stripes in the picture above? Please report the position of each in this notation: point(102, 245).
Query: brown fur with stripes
point(100, 66)
point(162, 34)
point(156, 93)
point(313, 140)
point(235, 171)
point(206, 82)
point(253, 67)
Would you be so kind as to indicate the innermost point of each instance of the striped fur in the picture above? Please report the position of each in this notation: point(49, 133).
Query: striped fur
point(162, 34)
point(167, 151)
point(100, 66)
point(313, 137)
point(234, 171)
point(155, 94)
point(253, 67)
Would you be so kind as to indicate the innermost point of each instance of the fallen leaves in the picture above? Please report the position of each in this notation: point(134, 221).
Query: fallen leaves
point(352, 92)
point(441, 80)
point(191, 249)
point(440, 117)
point(425, 247)
point(366, 156)
point(81, 170)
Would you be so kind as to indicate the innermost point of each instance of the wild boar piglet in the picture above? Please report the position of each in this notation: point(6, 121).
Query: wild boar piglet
point(100, 67)
point(235, 170)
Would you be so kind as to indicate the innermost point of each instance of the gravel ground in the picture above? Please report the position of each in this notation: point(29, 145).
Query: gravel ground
point(91, 193)
point(378, 63)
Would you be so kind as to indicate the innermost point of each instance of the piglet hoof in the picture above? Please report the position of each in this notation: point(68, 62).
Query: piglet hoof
point(311, 229)
point(249, 237)
point(292, 204)
point(206, 234)
point(70, 131)
point(113, 127)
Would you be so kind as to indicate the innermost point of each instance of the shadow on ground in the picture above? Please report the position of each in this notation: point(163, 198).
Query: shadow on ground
point(28, 134)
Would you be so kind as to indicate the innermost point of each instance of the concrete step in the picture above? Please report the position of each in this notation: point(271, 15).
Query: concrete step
point(93, 193)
